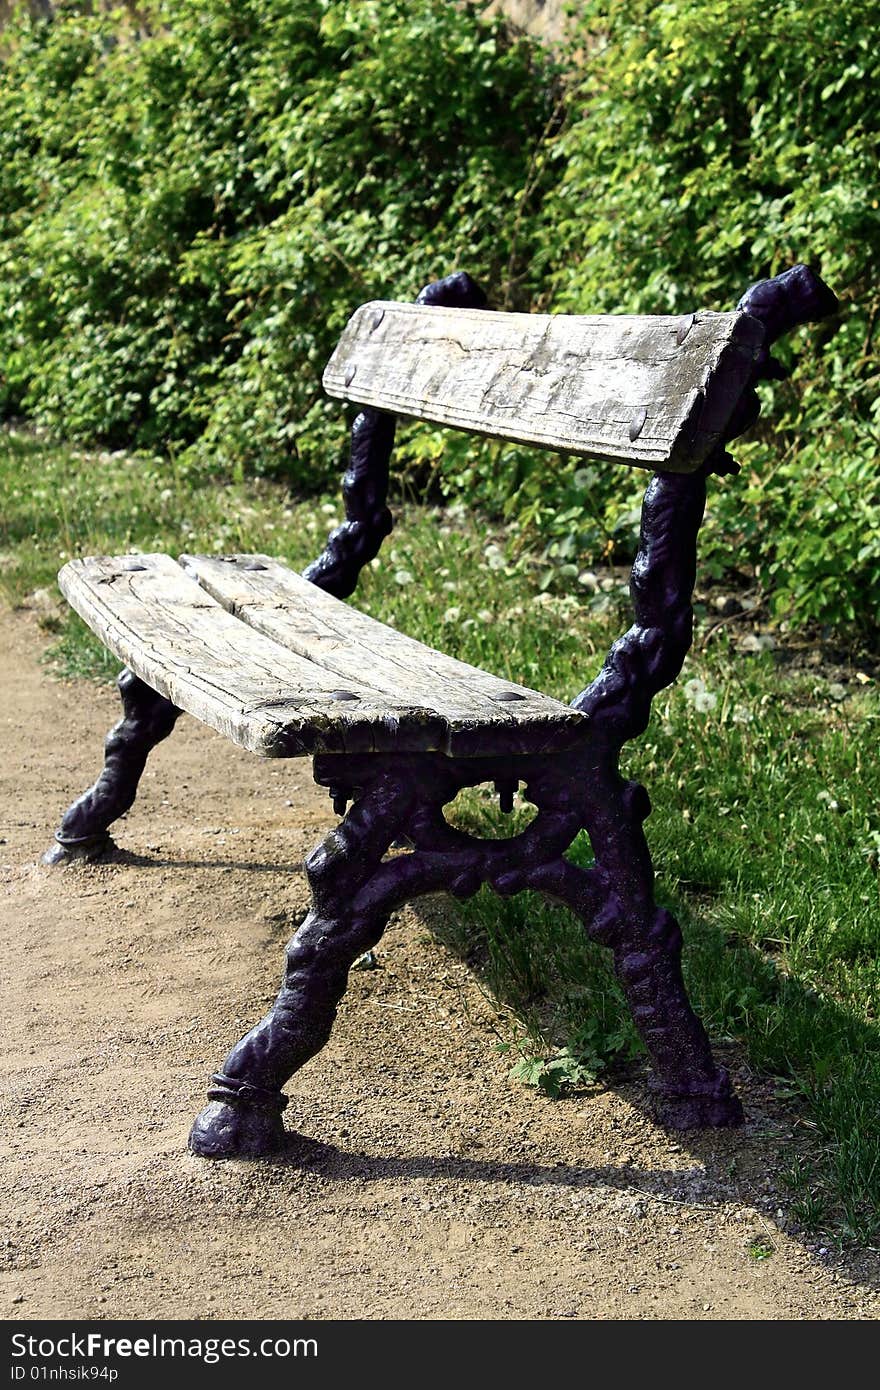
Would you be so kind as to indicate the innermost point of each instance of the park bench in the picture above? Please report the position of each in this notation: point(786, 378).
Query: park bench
point(280, 664)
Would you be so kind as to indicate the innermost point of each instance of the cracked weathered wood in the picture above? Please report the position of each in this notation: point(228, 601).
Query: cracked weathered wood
point(654, 392)
point(297, 675)
point(274, 600)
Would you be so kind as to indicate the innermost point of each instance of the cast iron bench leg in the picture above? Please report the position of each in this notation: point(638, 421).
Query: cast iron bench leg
point(243, 1116)
point(147, 718)
point(355, 889)
point(615, 901)
point(646, 943)
point(645, 940)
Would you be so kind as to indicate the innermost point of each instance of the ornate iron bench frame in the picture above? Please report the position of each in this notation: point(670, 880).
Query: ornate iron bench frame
point(355, 885)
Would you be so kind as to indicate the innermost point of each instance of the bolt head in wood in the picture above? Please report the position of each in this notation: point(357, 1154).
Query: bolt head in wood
point(343, 695)
point(637, 423)
point(684, 328)
point(377, 319)
point(349, 375)
point(507, 695)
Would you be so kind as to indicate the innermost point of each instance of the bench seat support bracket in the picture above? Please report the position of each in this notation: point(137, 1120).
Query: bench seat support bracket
point(357, 881)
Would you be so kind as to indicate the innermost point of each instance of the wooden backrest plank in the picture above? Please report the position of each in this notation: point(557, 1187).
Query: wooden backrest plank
point(653, 391)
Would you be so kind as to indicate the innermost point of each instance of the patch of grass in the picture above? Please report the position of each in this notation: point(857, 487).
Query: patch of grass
point(58, 503)
point(809, 1205)
point(765, 785)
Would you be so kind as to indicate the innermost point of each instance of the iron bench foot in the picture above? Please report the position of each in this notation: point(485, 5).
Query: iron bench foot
point(239, 1121)
point(148, 718)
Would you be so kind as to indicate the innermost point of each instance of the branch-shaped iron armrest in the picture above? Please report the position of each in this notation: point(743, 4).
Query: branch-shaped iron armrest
point(650, 655)
point(365, 485)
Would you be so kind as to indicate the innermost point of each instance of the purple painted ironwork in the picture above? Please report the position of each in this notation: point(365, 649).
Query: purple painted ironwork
point(355, 887)
point(365, 485)
point(147, 719)
point(796, 296)
point(367, 519)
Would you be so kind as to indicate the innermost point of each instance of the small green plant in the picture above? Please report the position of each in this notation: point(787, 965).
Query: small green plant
point(798, 1176)
point(811, 1211)
point(810, 1198)
point(588, 1055)
point(761, 1248)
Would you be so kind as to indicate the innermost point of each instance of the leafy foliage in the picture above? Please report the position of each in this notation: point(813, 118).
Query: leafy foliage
point(707, 144)
point(189, 213)
point(710, 142)
point(188, 217)
point(588, 1054)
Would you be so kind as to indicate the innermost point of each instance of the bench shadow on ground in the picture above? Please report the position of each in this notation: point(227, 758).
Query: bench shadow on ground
point(780, 1130)
point(703, 1182)
point(132, 859)
point(341, 1166)
point(774, 1118)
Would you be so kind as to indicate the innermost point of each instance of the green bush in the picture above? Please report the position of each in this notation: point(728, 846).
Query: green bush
point(711, 143)
point(708, 144)
point(188, 215)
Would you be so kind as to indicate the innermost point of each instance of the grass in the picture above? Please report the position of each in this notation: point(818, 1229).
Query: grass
point(764, 780)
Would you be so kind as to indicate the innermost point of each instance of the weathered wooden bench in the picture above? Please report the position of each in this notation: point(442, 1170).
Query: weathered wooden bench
point(279, 664)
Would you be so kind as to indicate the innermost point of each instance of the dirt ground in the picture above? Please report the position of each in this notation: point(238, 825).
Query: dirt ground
point(421, 1182)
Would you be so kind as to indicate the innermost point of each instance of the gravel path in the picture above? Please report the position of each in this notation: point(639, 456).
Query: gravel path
point(421, 1182)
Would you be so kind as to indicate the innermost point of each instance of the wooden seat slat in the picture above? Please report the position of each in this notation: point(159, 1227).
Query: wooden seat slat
point(655, 392)
point(273, 690)
point(274, 600)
